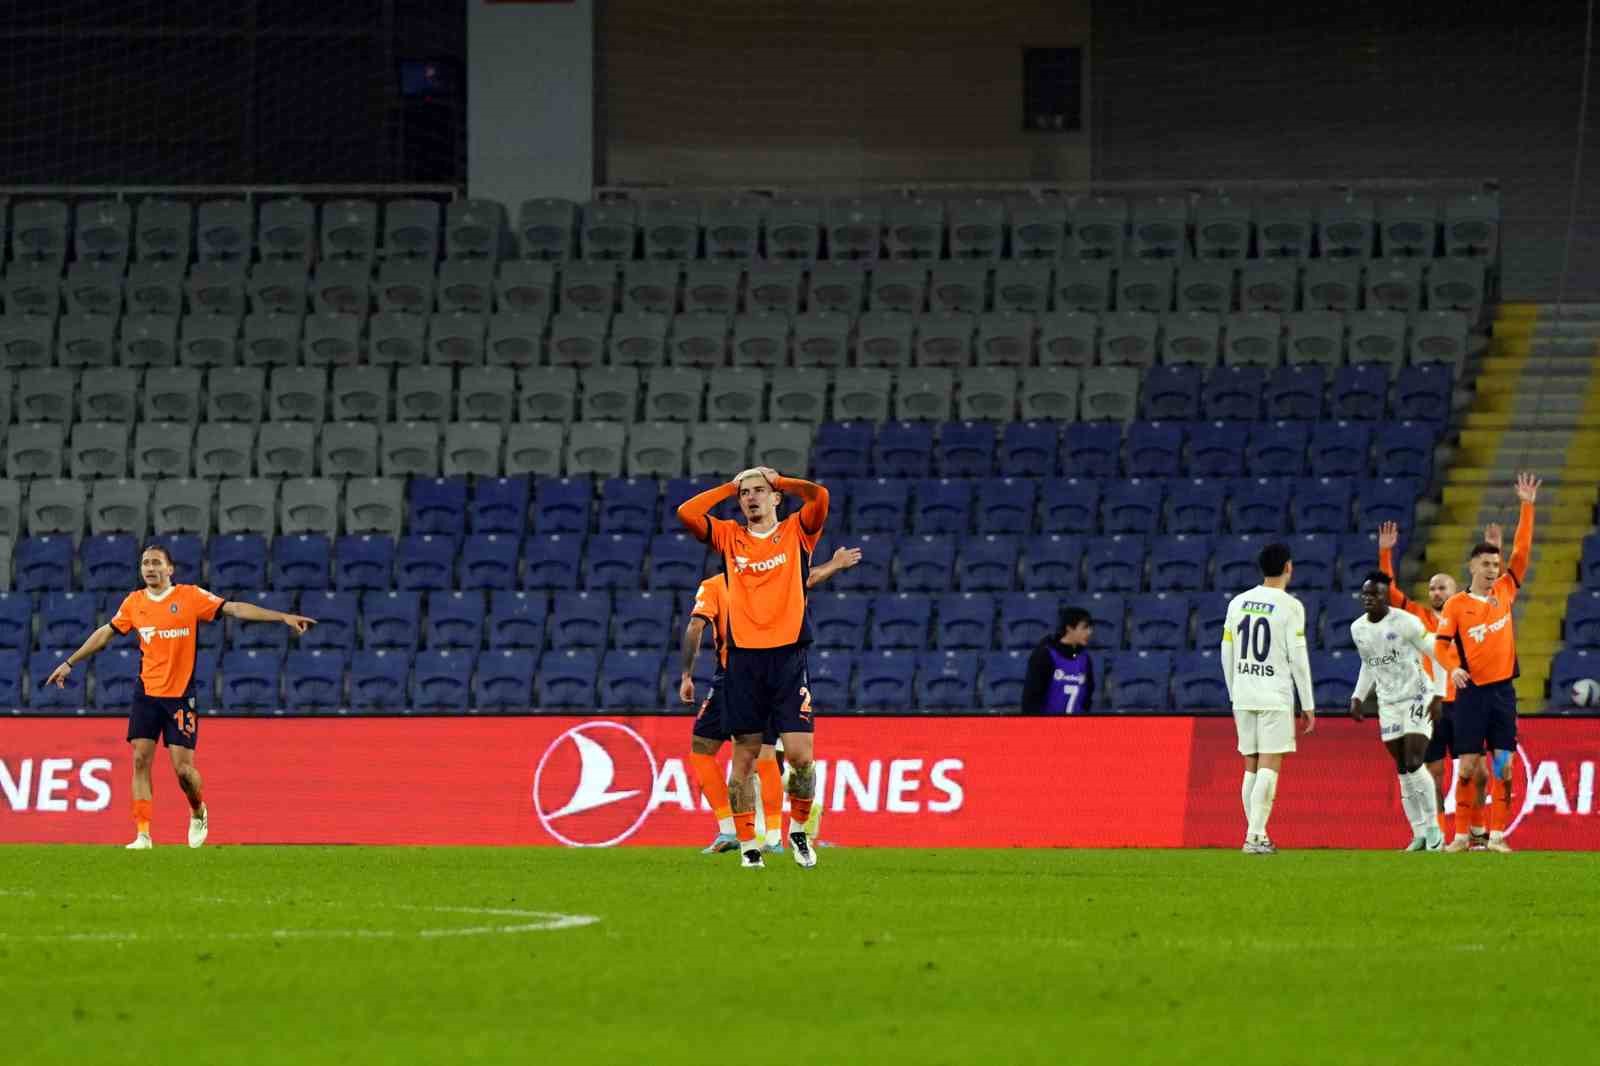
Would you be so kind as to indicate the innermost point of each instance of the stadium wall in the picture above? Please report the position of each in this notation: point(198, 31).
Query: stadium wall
point(898, 781)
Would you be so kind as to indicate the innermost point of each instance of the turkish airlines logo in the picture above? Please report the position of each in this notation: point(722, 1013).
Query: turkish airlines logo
point(593, 785)
point(742, 563)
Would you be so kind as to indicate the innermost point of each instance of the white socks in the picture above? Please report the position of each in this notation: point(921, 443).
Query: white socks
point(725, 826)
point(1261, 797)
point(1419, 801)
point(1244, 792)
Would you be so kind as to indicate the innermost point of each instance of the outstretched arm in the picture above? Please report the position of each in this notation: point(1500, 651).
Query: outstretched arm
point(695, 512)
point(97, 640)
point(1388, 537)
point(688, 650)
point(249, 612)
point(843, 559)
point(815, 511)
point(1522, 545)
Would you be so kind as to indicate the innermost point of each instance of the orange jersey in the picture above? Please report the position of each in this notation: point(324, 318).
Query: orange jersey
point(1476, 632)
point(711, 603)
point(168, 628)
point(1422, 611)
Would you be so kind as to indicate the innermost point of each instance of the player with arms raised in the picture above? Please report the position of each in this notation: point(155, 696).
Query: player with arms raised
point(167, 618)
point(1477, 640)
point(1264, 663)
point(1409, 702)
point(766, 563)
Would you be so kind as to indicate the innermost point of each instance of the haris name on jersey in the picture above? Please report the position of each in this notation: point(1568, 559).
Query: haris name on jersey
point(1255, 669)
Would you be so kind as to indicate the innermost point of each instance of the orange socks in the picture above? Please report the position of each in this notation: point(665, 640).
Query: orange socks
point(771, 794)
point(141, 815)
point(744, 826)
point(1466, 805)
point(1499, 805)
point(1444, 824)
point(799, 810)
point(709, 774)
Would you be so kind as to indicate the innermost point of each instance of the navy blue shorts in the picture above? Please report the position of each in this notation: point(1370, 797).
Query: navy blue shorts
point(1486, 714)
point(1443, 742)
point(708, 722)
point(767, 691)
point(171, 719)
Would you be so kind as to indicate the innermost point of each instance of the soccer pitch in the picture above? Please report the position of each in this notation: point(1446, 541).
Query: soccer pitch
point(356, 955)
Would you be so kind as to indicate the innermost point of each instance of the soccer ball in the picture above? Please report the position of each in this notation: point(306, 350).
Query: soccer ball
point(1586, 693)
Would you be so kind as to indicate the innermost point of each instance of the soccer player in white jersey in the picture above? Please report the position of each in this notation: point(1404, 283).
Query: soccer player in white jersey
point(1264, 663)
point(1409, 701)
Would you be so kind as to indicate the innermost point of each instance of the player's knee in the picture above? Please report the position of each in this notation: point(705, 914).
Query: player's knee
point(142, 761)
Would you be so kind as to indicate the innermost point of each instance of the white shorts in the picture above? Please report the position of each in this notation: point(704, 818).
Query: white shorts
point(1395, 720)
point(1265, 732)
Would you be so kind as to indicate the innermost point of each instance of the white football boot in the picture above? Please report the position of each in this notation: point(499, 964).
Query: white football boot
point(199, 826)
point(140, 843)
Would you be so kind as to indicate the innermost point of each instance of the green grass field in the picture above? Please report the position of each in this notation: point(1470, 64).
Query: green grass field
point(358, 955)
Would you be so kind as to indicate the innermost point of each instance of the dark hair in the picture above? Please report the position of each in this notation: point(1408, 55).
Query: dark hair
point(1073, 616)
point(1483, 547)
point(162, 548)
point(1377, 577)
point(1273, 558)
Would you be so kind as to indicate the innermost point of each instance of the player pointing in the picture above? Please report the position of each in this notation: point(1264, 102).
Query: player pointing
point(1264, 663)
point(168, 618)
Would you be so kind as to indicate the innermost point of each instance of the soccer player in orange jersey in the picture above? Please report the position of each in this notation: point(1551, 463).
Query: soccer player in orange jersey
point(1477, 640)
point(167, 618)
point(711, 609)
point(766, 563)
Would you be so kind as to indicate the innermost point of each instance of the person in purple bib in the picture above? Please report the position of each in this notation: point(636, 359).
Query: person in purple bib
point(1060, 673)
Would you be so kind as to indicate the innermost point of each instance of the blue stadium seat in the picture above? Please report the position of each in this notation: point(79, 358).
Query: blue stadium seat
point(237, 562)
point(1155, 449)
point(567, 680)
point(643, 620)
point(1171, 393)
point(1405, 449)
point(1259, 505)
point(1295, 393)
point(1390, 499)
point(829, 673)
point(1006, 505)
point(1053, 562)
point(922, 564)
point(378, 680)
point(207, 662)
point(1132, 506)
point(269, 636)
point(1235, 393)
point(1197, 682)
point(628, 505)
point(111, 562)
point(115, 672)
point(1216, 449)
point(1321, 505)
point(301, 562)
point(66, 619)
point(1359, 392)
point(579, 620)
point(1160, 621)
point(901, 620)
point(1029, 449)
point(363, 561)
point(1004, 673)
point(871, 574)
point(44, 696)
point(631, 681)
point(44, 563)
point(1178, 564)
point(1210, 612)
point(250, 679)
point(1589, 565)
point(903, 449)
point(942, 505)
point(1423, 393)
point(613, 561)
point(487, 561)
point(965, 449)
point(677, 561)
point(454, 620)
point(1568, 666)
point(1582, 627)
point(1108, 611)
point(442, 680)
point(1026, 618)
point(1276, 449)
point(1315, 561)
point(1236, 563)
point(1340, 449)
point(1114, 564)
point(1358, 554)
point(947, 680)
point(517, 619)
point(839, 621)
point(187, 552)
point(337, 619)
point(390, 619)
point(561, 505)
point(966, 622)
point(679, 490)
point(551, 560)
point(842, 450)
point(1092, 449)
point(879, 505)
point(1196, 505)
point(425, 561)
point(885, 680)
point(11, 679)
point(987, 564)
point(314, 680)
point(437, 506)
point(1338, 612)
point(499, 505)
point(504, 681)
point(1069, 505)
point(1312, 602)
point(1140, 681)
point(1333, 678)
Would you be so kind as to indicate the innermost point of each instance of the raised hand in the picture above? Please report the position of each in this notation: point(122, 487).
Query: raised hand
point(1493, 534)
point(1388, 536)
point(1527, 487)
point(770, 474)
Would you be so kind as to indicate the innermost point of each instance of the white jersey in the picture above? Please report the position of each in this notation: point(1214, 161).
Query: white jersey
point(1389, 651)
point(1264, 659)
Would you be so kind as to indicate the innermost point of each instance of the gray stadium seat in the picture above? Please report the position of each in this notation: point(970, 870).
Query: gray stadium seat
point(1109, 392)
point(208, 340)
point(288, 229)
point(422, 393)
point(39, 230)
point(1050, 393)
point(718, 449)
point(181, 505)
point(798, 395)
point(309, 505)
point(155, 287)
point(173, 394)
point(1472, 226)
point(1439, 337)
point(822, 339)
point(1037, 228)
point(638, 338)
point(224, 230)
point(793, 227)
point(93, 288)
point(944, 338)
point(456, 338)
point(224, 449)
point(247, 505)
point(837, 287)
point(736, 395)
point(278, 286)
point(1068, 338)
point(1314, 338)
point(674, 394)
point(98, 449)
point(924, 394)
point(286, 449)
point(56, 505)
point(651, 287)
point(1269, 286)
point(396, 339)
point(409, 449)
point(578, 338)
point(361, 392)
point(27, 340)
point(411, 229)
point(914, 228)
point(474, 229)
point(655, 449)
point(466, 285)
point(44, 395)
point(534, 449)
point(349, 230)
point(406, 285)
point(87, 341)
point(1377, 336)
point(590, 287)
point(595, 448)
point(855, 227)
point(711, 287)
point(1394, 285)
point(987, 394)
point(119, 505)
point(774, 286)
point(1222, 229)
point(784, 446)
point(1159, 231)
point(1144, 286)
point(163, 230)
point(761, 339)
point(861, 394)
point(547, 228)
point(515, 339)
point(977, 228)
point(1005, 338)
point(271, 339)
point(1083, 286)
point(1456, 285)
point(698, 339)
point(10, 518)
point(7, 384)
point(1128, 338)
point(1023, 286)
point(1408, 226)
point(1099, 229)
point(547, 393)
point(1191, 337)
point(374, 505)
point(298, 393)
point(609, 230)
point(884, 339)
point(342, 286)
point(233, 393)
point(610, 393)
point(1252, 338)
point(1284, 228)
point(217, 286)
point(349, 449)
point(525, 286)
point(733, 227)
point(147, 340)
point(1347, 227)
point(163, 449)
point(895, 286)
point(1205, 287)
point(486, 394)
point(331, 339)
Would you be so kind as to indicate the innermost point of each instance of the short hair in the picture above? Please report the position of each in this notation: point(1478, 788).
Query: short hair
point(1273, 558)
point(1072, 617)
point(1377, 577)
point(162, 548)
point(1483, 547)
